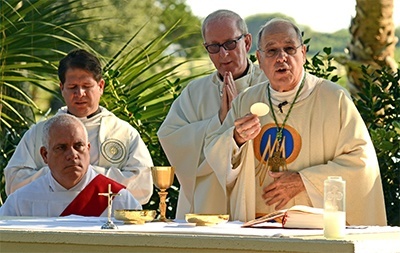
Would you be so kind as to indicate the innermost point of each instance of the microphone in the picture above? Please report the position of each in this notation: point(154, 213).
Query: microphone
point(280, 105)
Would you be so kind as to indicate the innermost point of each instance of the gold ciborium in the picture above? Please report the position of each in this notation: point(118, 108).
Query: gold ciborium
point(163, 177)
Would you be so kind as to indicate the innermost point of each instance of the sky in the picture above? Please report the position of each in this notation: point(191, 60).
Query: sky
point(319, 15)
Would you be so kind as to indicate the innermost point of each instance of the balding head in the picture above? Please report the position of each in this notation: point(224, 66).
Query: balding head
point(276, 25)
point(219, 15)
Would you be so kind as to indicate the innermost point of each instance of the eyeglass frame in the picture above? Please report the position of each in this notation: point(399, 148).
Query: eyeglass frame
point(235, 41)
point(280, 50)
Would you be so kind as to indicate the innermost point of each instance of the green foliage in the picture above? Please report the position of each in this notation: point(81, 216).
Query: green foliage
point(123, 18)
point(10, 141)
point(321, 65)
point(33, 35)
point(189, 29)
point(119, 21)
point(379, 103)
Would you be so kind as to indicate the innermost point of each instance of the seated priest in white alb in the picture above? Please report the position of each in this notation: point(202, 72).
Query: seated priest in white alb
point(71, 186)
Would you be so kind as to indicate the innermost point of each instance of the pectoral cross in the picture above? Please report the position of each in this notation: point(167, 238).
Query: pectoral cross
point(109, 224)
point(277, 163)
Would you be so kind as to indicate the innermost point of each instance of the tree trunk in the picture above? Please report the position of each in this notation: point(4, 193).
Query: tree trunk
point(373, 39)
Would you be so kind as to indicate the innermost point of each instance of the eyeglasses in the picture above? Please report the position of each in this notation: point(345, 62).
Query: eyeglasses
point(228, 45)
point(272, 52)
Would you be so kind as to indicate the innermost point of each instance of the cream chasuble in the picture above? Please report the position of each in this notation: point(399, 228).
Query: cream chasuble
point(324, 136)
point(193, 115)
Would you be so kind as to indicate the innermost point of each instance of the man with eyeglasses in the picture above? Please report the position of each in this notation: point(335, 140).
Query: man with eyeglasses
point(202, 107)
point(313, 131)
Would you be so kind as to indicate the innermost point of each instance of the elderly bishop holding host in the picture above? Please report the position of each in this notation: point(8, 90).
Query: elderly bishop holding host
point(313, 131)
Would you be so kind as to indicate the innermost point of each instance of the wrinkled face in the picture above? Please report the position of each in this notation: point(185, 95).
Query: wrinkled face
point(68, 154)
point(281, 56)
point(235, 61)
point(81, 92)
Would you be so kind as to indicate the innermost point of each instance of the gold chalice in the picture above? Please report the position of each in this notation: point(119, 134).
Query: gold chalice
point(163, 177)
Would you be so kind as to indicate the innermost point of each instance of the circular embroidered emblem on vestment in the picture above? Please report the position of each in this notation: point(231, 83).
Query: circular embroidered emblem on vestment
point(113, 150)
point(265, 143)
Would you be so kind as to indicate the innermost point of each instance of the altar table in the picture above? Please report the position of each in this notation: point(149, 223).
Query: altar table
point(84, 234)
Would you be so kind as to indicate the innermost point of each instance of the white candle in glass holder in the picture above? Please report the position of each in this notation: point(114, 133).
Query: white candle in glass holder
point(334, 207)
point(334, 224)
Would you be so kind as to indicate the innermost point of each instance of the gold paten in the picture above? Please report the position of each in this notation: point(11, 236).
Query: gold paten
point(129, 216)
point(206, 219)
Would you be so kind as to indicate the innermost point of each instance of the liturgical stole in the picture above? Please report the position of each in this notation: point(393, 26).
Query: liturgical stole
point(88, 202)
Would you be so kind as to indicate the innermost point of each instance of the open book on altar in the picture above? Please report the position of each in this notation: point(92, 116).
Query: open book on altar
point(298, 216)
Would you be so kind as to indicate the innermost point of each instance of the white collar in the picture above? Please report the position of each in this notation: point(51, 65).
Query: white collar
point(288, 96)
point(241, 83)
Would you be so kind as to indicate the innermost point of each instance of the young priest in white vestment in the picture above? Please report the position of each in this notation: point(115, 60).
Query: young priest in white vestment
point(71, 186)
point(117, 150)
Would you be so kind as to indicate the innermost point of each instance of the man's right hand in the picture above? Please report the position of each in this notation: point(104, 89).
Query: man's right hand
point(246, 128)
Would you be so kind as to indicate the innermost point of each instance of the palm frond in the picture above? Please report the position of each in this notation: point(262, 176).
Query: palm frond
point(34, 34)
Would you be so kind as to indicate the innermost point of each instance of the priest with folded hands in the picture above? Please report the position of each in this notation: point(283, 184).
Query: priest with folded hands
point(71, 186)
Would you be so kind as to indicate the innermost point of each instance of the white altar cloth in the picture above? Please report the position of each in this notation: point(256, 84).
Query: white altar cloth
point(84, 234)
point(78, 223)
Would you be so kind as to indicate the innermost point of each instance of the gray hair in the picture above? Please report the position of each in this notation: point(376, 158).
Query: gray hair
point(278, 20)
point(224, 14)
point(61, 120)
